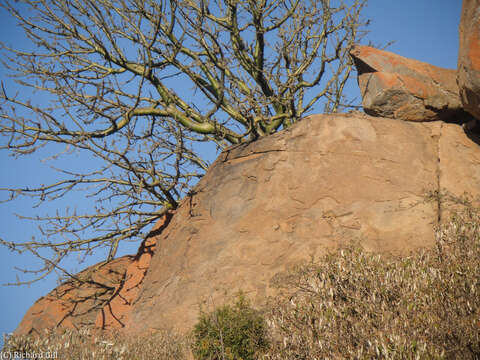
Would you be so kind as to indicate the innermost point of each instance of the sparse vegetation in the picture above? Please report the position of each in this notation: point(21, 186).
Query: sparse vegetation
point(230, 332)
point(84, 345)
point(352, 304)
point(363, 306)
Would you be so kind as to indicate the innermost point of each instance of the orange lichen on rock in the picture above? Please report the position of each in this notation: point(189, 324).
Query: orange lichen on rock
point(98, 297)
point(75, 303)
point(468, 76)
point(400, 88)
point(115, 312)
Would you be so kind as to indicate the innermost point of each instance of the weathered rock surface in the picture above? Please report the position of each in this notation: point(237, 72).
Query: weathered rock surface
point(265, 206)
point(469, 57)
point(103, 297)
point(75, 304)
point(400, 88)
point(115, 312)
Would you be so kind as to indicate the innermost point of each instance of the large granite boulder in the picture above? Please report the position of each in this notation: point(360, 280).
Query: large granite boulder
point(400, 88)
point(469, 57)
point(265, 206)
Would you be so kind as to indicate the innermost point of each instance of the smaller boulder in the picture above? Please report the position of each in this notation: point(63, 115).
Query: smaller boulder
point(99, 297)
point(468, 76)
point(400, 88)
point(75, 303)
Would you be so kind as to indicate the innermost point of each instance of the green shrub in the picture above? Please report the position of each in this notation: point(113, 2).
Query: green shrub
point(230, 332)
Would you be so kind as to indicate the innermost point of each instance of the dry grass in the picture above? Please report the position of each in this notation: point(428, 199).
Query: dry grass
point(363, 306)
point(75, 345)
point(352, 304)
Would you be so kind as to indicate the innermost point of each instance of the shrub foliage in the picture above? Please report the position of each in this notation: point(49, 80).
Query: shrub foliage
point(363, 306)
point(230, 332)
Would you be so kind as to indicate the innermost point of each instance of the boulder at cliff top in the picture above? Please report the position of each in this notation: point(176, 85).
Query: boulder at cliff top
point(267, 205)
point(400, 88)
point(469, 57)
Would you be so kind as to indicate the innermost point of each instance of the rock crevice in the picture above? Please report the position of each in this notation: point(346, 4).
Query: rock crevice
point(439, 177)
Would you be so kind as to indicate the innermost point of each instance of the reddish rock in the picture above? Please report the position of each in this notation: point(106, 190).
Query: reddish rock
point(267, 205)
point(400, 88)
point(468, 76)
point(115, 312)
point(103, 297)
point(75, 303)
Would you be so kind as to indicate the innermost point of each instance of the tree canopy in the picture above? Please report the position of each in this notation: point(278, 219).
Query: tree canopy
point(139, 85)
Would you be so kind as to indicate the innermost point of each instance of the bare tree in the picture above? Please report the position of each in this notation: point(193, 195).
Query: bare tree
point(137, 84)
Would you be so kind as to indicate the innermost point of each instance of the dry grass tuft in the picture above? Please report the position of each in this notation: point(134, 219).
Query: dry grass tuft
point(362, 306)
point(74, 345)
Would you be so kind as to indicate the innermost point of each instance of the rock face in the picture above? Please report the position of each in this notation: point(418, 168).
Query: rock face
point(75, 304)
point(114, 313)
point(469, 57)
point(265, 206)
point(104, 298)
point(399, 88)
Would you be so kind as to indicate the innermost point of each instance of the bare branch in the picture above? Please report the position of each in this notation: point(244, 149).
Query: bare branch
point(137, 86)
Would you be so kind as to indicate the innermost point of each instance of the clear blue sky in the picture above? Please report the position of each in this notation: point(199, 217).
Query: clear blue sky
point(426, 30)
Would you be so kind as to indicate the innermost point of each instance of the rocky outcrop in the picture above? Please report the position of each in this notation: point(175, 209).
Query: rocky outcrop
point(265, 206)
point(75, 303)
point(469, 57)
point(99, 297)
point(399, 88)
